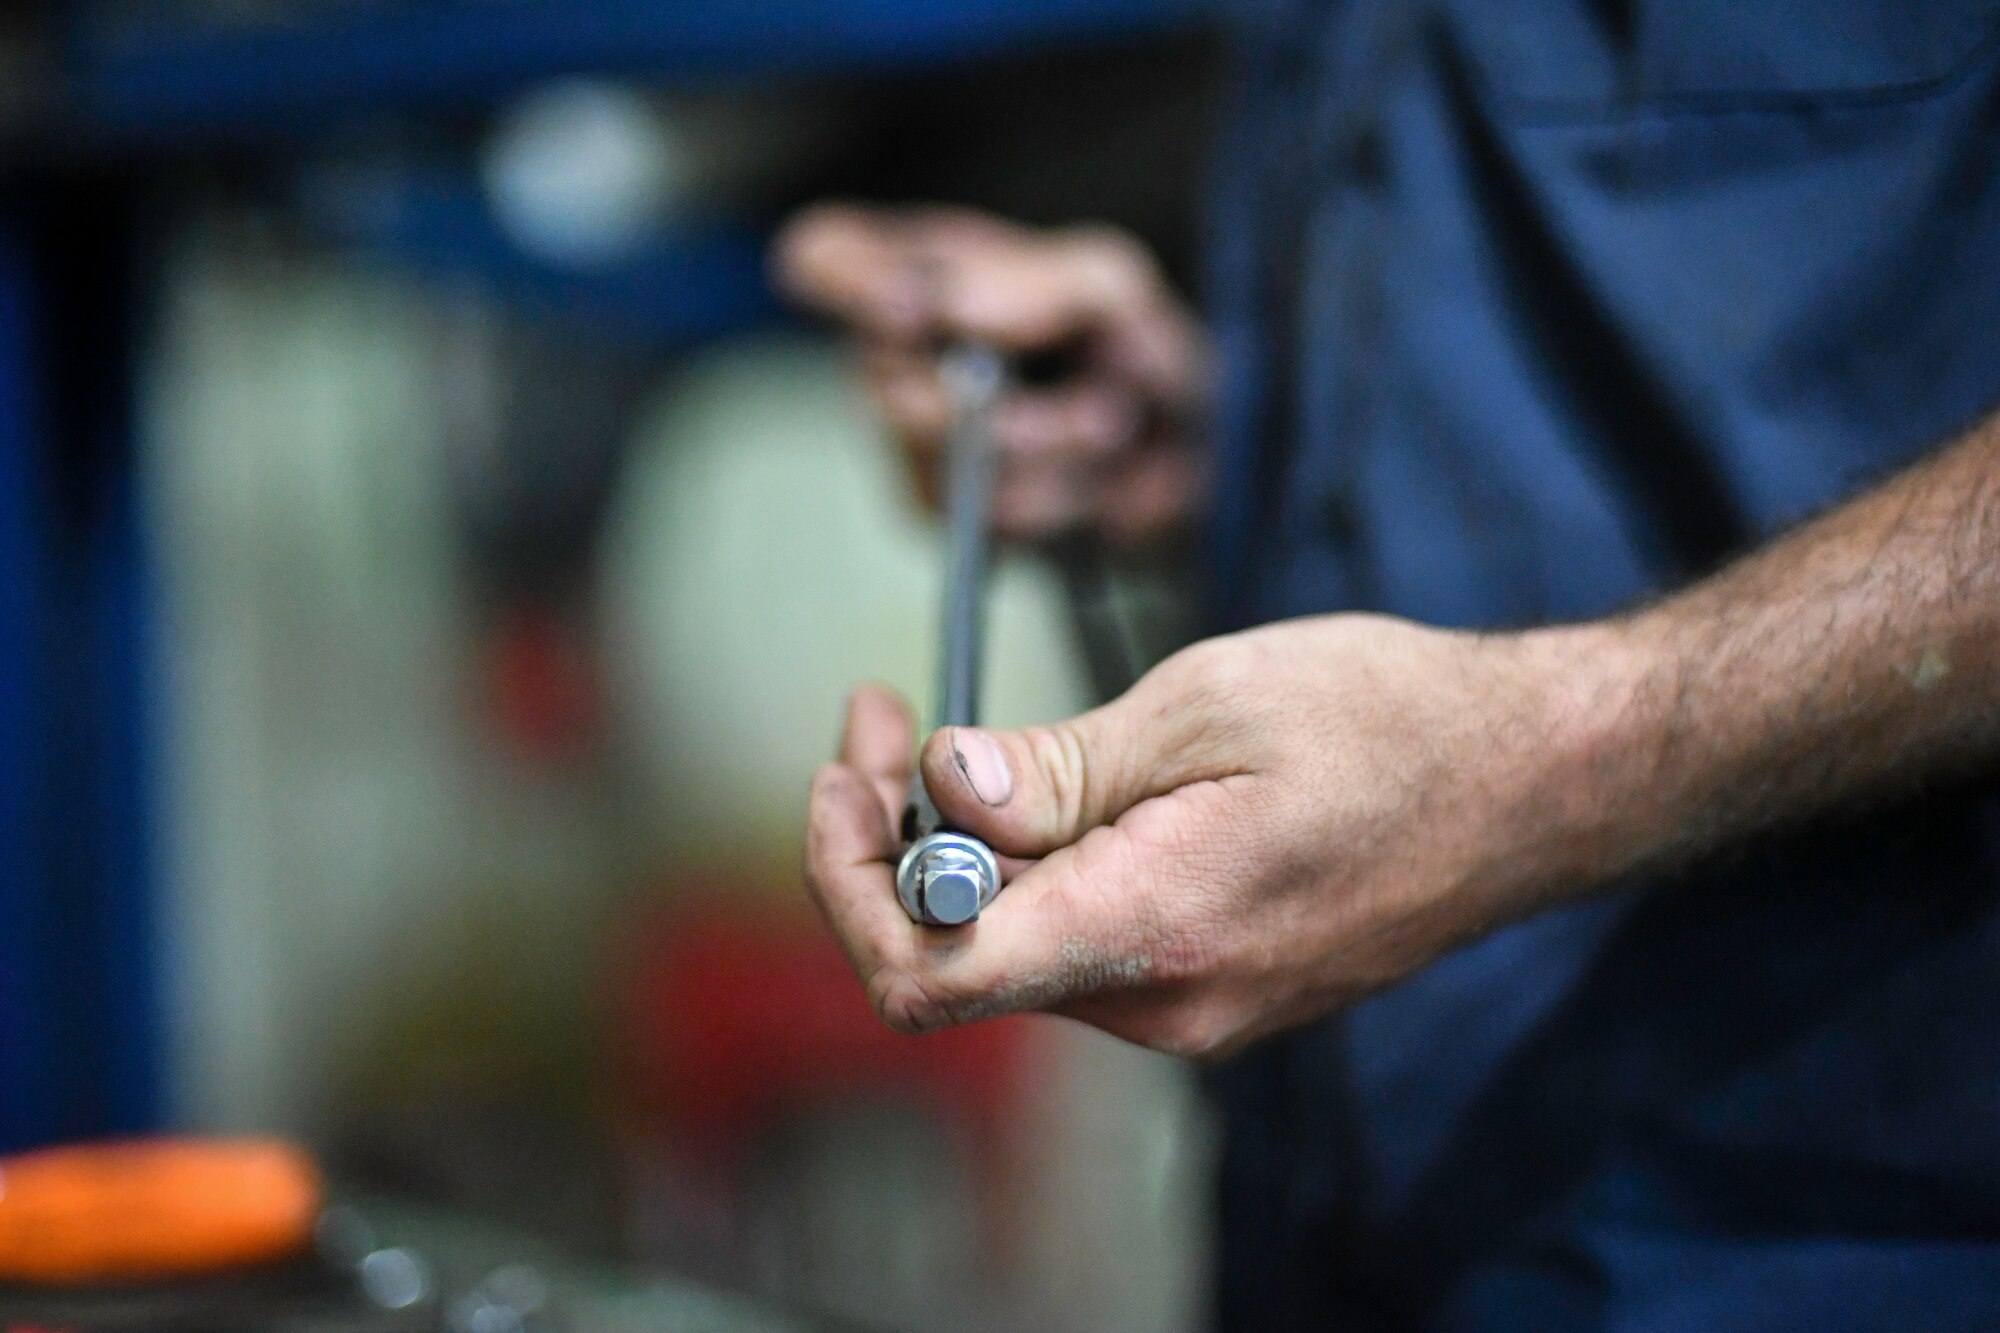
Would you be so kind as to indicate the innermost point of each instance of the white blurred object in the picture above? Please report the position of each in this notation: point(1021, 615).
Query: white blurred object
point(581, 172)
point(761, 561)
point(353, 870)
point(584, 172)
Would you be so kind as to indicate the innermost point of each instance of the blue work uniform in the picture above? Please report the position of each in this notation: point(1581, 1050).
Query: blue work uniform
point(1528, 310)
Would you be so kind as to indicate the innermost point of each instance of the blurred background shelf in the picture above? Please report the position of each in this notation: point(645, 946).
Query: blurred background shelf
point(429, 558)
point(681, 285)
point(144, 75)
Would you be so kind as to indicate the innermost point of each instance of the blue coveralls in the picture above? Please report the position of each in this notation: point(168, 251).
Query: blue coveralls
point(1528, 309)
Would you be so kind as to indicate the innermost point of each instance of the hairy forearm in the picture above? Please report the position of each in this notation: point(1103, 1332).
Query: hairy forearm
point(1857, 655)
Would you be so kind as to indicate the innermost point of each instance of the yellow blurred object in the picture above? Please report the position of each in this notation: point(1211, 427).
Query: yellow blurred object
point(149, 1209)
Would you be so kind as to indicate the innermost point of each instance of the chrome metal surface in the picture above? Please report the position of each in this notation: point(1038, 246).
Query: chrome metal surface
point(945, 879)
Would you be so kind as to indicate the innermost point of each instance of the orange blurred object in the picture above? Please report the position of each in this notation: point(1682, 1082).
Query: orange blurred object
point(150, 1209)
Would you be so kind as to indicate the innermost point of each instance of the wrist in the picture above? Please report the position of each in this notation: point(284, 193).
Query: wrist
point(1601, 802)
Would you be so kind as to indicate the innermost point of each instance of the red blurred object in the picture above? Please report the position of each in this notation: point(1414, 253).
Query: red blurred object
point(746, 1018)
point(543, 685)
point(742, 1017)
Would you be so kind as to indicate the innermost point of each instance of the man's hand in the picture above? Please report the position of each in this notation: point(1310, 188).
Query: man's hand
point(1107, 442)
point(1268, 825)
point(1272, 824)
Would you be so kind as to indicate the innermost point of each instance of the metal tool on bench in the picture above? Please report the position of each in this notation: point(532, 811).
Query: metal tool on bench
point(945, 877)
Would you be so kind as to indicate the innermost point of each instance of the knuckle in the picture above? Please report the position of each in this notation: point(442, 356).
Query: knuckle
point(817, 218)
point(1178, 955)
point(1197, 1033)
point(1220, 678)
point(903, 1001)
point(795, 256)
point(1079, 426)
point(829, 785)
point(1111, 249)
point(1058, 755)
point(1114, 263)
point(1201, 662)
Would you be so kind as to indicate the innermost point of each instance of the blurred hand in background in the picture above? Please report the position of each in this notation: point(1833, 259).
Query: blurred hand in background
point(1102, 434)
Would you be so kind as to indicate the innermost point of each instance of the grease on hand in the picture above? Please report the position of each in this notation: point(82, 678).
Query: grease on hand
point(1082, 969)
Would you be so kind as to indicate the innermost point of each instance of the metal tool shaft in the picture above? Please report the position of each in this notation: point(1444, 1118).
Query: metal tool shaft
point(973, 376)
point(945, 877)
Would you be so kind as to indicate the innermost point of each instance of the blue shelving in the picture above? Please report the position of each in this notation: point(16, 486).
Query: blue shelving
point(146, 78)
point(694, 281)
point(26, 1109)
point(80, 1043)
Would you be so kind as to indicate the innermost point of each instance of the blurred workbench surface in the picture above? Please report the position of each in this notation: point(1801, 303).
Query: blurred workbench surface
point(426, 1270)
point(585, 1297)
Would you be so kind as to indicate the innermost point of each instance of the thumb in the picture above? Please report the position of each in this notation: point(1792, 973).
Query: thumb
point(1026, 793)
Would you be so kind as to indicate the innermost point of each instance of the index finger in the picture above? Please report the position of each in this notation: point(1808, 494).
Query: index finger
point(849, 873)
point(856, 264)
point(879, 741)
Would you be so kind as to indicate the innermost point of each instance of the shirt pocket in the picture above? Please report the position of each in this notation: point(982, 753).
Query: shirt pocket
point(1588, 58)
